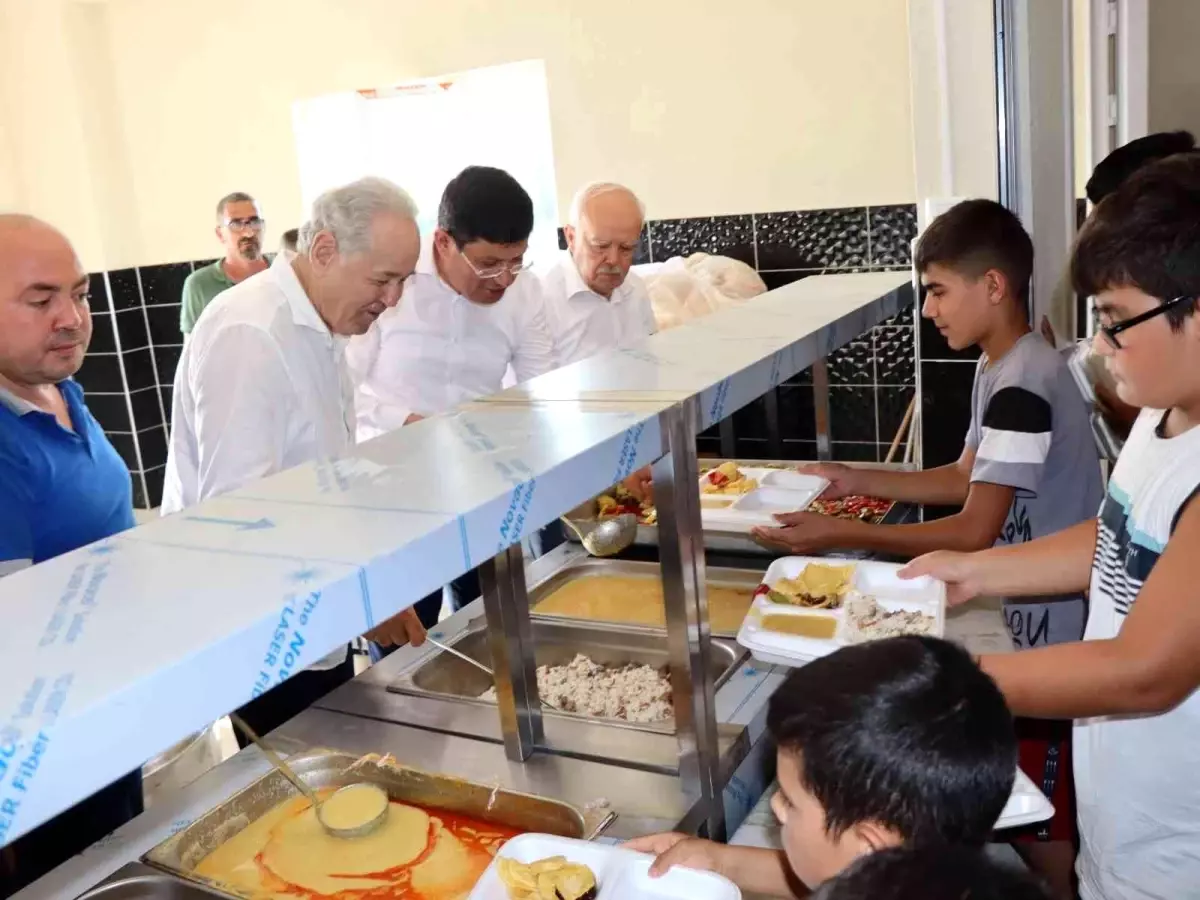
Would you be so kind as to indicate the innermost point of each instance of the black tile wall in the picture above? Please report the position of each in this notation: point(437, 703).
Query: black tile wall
point(731, 236)
point(98, 292)
point(139, 369)
point(154, 485)
point(852, 414)
point(751, 420)
point(848, 452)
point(125, 291)
point(125, 446)
point(796, 422)
point(166, 359)
point(147, 411)
point(164, 284)
point(111, 411)
point(854, 364)
point(945, 410)
point(140, 500)
point(893, 351)
point(890, 233)
point(131, 329)
point(153, 444)
point(817, 239)
point(102, 333)
point(164, 325)
point(101, 374)
point(893, 404)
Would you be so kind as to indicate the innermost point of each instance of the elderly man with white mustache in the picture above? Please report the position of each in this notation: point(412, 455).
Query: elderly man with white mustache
point(593, 302)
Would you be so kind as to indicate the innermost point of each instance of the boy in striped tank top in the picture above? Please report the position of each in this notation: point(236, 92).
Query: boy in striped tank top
point(1131, 684)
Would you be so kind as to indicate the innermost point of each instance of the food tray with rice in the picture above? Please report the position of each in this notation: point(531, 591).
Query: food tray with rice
point(543, 867)
point(807, 607)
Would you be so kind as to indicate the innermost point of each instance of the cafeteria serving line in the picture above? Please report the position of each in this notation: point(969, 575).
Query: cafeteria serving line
point(349, 542)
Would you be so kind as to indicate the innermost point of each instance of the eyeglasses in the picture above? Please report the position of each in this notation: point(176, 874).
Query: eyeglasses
point(1110, 332)
point(254, 223)
point(493, 272)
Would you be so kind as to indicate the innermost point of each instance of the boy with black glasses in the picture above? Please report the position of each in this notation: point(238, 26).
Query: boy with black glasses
point(1131, 684)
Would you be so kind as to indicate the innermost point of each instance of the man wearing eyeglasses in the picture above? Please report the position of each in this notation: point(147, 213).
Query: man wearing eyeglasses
point(240, 230)
point(468, 313)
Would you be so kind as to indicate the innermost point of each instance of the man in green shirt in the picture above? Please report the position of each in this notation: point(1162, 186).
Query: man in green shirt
point(240, 231)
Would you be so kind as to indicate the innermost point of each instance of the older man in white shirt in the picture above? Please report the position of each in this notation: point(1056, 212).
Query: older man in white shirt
point(593, 301)
point(469, 311)
point(262, 384)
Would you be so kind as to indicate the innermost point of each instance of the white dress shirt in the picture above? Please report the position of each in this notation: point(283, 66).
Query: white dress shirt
point(583, 323)
point(262, 386)
point(436, 349)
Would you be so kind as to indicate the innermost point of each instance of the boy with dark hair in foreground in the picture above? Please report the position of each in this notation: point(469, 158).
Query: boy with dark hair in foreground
point(900, 742)
point(1131, 684)
point(931, 873)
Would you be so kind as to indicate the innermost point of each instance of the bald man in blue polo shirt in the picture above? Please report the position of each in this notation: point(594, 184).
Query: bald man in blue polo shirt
point(62, 485)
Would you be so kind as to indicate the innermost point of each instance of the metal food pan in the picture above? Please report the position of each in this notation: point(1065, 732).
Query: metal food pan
point(138, 882)
point(320, 768)
point(556, 642)
point(587, 567)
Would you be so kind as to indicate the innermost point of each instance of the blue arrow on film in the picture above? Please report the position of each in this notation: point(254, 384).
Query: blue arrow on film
point(239, 524)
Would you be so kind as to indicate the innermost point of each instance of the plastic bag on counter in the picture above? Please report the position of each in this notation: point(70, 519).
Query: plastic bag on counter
point(686, 288)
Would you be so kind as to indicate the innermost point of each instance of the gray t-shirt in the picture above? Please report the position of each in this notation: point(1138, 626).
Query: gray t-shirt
point(1030, 431)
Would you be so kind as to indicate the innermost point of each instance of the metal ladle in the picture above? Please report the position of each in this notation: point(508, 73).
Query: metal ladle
point(277, 761)
point(605, 537)
point(446, 648)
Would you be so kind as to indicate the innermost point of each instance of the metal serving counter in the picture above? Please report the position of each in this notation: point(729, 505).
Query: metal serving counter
point(339, 545)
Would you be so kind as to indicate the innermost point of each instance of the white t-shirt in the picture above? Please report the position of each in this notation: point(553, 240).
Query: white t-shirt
point(436, 349)
point(1137, 778)
point(583, 323)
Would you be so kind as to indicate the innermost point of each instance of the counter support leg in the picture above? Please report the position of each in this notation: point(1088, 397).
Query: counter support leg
point(820, 372)
point(681, 554)
point(510, 639)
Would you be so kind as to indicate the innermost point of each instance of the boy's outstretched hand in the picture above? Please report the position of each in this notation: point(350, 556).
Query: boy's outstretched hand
point(843, 480)
point(672, 849)
point(958, 570)
point(803, 532)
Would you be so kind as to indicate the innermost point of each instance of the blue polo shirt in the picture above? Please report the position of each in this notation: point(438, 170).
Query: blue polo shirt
point(59, 489)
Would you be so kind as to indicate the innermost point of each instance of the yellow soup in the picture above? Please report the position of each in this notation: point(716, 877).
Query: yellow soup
point(639, 601)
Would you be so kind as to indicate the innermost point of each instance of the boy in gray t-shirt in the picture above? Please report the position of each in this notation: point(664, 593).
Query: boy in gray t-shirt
point(1029, 466)
point(1030, 431)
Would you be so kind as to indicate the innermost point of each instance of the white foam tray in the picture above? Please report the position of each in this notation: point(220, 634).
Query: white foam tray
point(778, 491)
point(878, 579)
point(620, 874)
point(1026, 805)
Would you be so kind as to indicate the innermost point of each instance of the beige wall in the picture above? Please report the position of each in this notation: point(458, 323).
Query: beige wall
point(705, 106)
point(954, 111)
point(1174, 77)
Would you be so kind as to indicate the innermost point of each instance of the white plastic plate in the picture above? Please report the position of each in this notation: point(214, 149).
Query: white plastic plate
point(620, 874)
point(876, 579)
point(778, 491)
